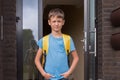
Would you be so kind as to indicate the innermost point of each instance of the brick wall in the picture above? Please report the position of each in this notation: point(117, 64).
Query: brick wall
point(99, 38)
point(8, 44)
point(108, 59)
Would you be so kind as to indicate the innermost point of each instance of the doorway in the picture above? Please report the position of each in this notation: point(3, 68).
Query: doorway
point(79, 23)
point(74, 26)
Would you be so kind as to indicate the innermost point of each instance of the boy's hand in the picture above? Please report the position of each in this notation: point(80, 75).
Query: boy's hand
point(47, 76)
point(65, 75)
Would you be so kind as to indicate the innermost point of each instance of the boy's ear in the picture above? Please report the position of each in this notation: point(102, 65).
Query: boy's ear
point(49, 22)
point(63, 22)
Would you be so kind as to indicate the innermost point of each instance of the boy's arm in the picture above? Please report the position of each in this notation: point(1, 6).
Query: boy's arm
point(38, 64)
point(73, 65)
point(37, 61)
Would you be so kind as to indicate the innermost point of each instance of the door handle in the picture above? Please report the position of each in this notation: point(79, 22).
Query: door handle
point(1, 28)
point(83, 40)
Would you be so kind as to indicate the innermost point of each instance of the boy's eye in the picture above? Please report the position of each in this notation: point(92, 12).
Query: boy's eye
point(58, 21)
point(54, 21)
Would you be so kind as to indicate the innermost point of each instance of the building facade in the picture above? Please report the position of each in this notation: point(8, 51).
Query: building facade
point(107, 59)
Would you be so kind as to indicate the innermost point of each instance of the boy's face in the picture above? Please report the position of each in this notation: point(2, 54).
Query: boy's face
point(56, 23)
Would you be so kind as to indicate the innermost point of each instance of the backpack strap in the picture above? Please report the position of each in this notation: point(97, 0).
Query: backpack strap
point(66, 39)
point(45, 45)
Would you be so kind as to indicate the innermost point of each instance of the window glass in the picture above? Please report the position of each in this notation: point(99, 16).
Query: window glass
point(30, 37)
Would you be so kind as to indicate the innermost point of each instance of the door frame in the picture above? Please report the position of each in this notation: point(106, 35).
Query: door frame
point(86, 39)
point(87, 32)
point(40, 18)
point(19, 38)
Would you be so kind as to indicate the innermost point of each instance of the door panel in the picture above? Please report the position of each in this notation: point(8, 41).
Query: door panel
point(89, 39)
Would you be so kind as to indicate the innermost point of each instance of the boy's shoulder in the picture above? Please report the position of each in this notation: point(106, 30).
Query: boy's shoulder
point(66, 36)
point(44, 36)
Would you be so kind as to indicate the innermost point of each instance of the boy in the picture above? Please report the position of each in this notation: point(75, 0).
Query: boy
point(56, 64)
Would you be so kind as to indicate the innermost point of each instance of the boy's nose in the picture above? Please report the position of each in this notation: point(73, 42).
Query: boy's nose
point(56, 23)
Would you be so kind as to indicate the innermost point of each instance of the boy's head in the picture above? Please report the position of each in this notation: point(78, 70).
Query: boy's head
point(56, 12)
point(56, 19)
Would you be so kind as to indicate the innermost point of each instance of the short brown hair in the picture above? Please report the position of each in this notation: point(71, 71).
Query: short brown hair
point(56, 12)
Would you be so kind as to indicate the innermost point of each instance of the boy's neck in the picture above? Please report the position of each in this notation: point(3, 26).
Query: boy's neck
point(57, 34)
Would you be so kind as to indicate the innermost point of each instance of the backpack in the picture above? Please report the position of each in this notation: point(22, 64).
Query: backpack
point(66, 40)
